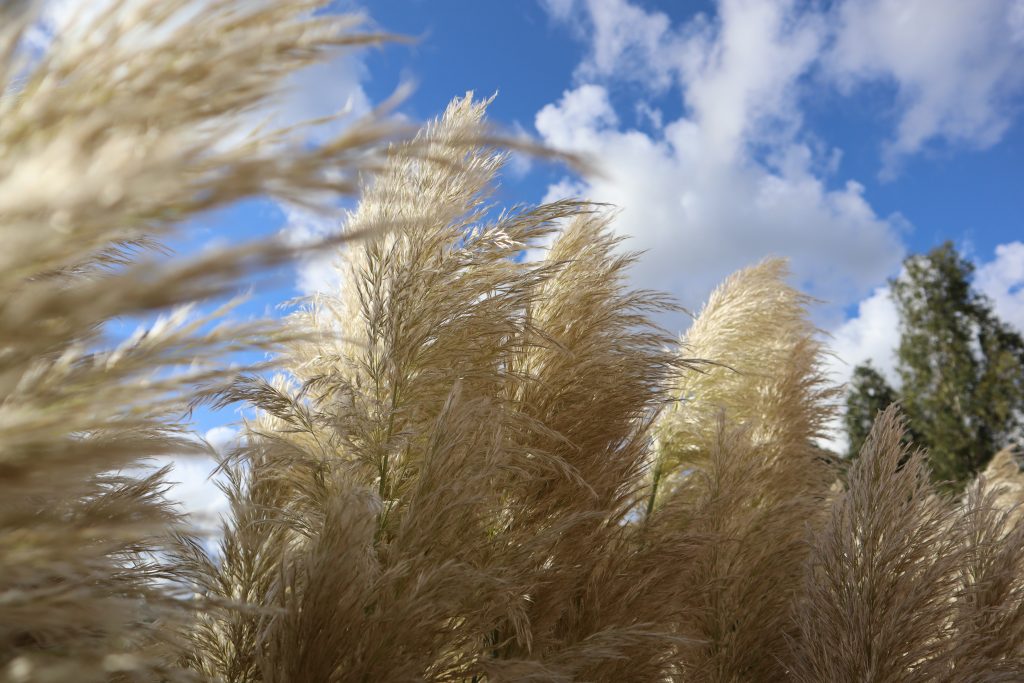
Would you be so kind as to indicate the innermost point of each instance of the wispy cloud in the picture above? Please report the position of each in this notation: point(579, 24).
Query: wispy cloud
point(958, 67)
point(304, 226)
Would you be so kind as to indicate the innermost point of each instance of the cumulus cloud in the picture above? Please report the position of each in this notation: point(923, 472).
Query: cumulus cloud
point(627, 41)
point(1002, 280)
point(731, 181)
point(956, 67)
point(738, 176)
point(699, 216)
point(871, 335)
point(743, 88)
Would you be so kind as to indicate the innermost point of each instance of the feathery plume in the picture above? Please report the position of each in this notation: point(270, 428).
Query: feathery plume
point(737, 462)
point(386, 448)
point(110, 141)
point(988, 640)
point(881, 580)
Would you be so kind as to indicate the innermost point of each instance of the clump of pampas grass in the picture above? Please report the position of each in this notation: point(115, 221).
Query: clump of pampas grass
point(479, 467)
point(738, 463)
point(473, 465)
point(119, 132)
point(460, 458)
point(455, 459)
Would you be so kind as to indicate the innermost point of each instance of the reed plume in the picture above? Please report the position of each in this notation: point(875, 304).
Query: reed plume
point(987, 643)
point(737, 462)
point(455, 454)
point(378, 461)
point(113, 138)
point(881, 578)
point(907, 584)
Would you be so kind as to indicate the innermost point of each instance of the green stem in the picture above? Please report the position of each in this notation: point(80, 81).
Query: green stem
point(654, 488)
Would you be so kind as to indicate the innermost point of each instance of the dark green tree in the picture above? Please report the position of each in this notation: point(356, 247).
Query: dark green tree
point(869, 394)
point(961, 368)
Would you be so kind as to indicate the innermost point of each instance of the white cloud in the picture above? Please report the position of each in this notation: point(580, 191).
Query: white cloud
point(744, 88)
point(731, 181)
point(559, 9)
point(1016, 21)
point(700, 214)
point(956, 65)
point(579, 119)
point(653, 116)
point(303, 227)
point(871, 335)
point(1002, 280)
point(630, 42)
point(738, 177)
point(195, 487)
point(222, 438)
point(321, 90)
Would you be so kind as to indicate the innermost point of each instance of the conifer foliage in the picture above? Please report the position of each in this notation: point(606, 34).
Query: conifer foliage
point(869, 394)
point(961, 369)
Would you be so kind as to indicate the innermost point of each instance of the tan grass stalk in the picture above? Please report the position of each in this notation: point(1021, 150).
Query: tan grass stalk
point(737, 465)
point(116, 136)
point(1005, 479)
point(882, 579)
point(602, 604)
point(390, 453)
point(988, 640)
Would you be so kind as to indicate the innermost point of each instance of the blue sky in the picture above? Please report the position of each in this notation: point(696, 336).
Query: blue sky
point(954, 187)
point(843, 135)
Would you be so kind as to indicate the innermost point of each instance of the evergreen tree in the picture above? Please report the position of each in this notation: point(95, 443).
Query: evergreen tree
point(961, 368)
point(869, 394)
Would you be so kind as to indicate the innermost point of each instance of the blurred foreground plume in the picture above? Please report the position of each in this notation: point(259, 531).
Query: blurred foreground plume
point(118, 133)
